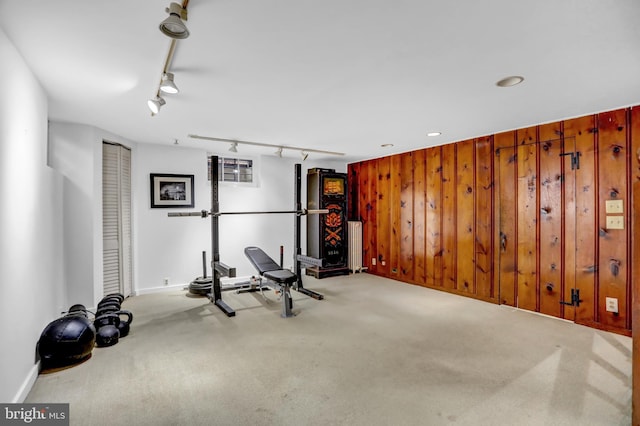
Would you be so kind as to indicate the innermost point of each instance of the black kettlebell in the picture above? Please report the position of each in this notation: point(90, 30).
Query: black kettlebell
point(124, 325)
point(105, 320)
point(77, 309)
point(107, 333)
point(117, 296)
point(108, 303)
point(110, 299)
point(107, 310)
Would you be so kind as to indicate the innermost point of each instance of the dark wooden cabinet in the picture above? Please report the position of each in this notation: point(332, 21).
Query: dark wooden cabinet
point(327, 232)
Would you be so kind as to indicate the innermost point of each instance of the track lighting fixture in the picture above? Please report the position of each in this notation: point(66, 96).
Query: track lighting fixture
point(280, 148)
point(176, 29)
point(155, 104)
point(167, 85)
point(174, 26)
point(234, 147)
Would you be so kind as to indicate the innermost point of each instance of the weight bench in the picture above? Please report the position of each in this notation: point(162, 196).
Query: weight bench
point(282, 279)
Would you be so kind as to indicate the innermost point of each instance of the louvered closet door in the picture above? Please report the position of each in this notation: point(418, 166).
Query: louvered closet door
point(116, 219)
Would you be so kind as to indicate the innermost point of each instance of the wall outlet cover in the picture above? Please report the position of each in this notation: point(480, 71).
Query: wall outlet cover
point(613, 206)
point(615, 222)
point(612, 304)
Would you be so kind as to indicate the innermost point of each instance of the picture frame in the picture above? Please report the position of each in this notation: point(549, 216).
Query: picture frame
point(171, 190)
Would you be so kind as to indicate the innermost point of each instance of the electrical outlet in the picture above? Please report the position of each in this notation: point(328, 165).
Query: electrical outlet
point(383, 263)
point(612, 304)
point(613, 206)
point(615, 222)
point(373, 261)
point(166, 281)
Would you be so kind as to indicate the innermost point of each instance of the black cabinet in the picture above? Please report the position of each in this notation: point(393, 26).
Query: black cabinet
point(327, 233)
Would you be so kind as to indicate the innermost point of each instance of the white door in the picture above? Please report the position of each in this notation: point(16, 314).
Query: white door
point(116, 219)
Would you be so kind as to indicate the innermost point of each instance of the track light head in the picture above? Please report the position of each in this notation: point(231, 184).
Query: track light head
point(167, 85)
point(304, 155)
point(234, 147)
point(174, 26)
point(155, 104)
point(279, 152)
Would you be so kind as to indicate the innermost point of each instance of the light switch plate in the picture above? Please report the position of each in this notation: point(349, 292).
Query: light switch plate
point(612, 304)
point(615, 222)
point(613, 206)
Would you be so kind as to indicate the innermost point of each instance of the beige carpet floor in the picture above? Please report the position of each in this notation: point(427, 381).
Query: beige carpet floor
point(374, 352)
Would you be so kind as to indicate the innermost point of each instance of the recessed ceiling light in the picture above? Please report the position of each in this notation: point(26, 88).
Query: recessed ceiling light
point(386, 145)
point(510, 81)
point(434, 133)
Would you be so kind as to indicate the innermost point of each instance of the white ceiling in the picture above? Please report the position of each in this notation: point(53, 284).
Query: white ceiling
point(338, 75)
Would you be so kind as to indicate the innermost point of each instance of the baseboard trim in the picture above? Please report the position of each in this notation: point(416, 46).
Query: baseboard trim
point(27, 385)
point(173, 287)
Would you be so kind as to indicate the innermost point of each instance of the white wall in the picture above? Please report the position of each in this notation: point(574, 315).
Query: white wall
point(51, 218)
point(32, 291)
point(75, 150)
point(171, 247)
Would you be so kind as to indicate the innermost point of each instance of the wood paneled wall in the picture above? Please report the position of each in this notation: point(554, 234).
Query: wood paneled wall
point(509, 218)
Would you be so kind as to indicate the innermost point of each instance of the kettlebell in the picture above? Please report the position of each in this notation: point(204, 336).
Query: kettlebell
point(117, 296)
point(107, 333)
point(105, 320)
point(107, 310)
point(124, 325)
point(108, 303)
point(77, 309)
point(110, 299)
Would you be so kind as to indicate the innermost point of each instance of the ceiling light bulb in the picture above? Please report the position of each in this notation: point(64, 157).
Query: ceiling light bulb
point(431, 134)
point(167, 85)
point(234, 146)
point(155, 104)
point(510, 81)
point(173, 26)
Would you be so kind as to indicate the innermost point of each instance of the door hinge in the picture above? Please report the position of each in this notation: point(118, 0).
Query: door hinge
point(575, 298)
point(575, 159)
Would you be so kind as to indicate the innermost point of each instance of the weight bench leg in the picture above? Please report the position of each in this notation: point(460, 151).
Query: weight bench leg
point(287, 302)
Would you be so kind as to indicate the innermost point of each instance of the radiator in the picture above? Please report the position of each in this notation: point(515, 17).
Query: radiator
point(354, 234)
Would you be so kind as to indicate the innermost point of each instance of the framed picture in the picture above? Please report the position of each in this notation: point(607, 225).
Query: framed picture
point(168, 190)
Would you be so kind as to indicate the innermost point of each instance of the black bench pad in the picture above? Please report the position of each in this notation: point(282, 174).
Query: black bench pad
point(267, 267)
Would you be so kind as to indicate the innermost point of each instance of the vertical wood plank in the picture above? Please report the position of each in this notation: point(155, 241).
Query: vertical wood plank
point(581, 266)
point(383, 215)
point(372, 214)
point(448, 216)
point(419, 216)
point(406, 220)
point(527, 297)
point(613, 264)
point(465, 217)
point(551, 216)
point(434, 216)
point(395, 204)
point(506, 218)
point(484, 218)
